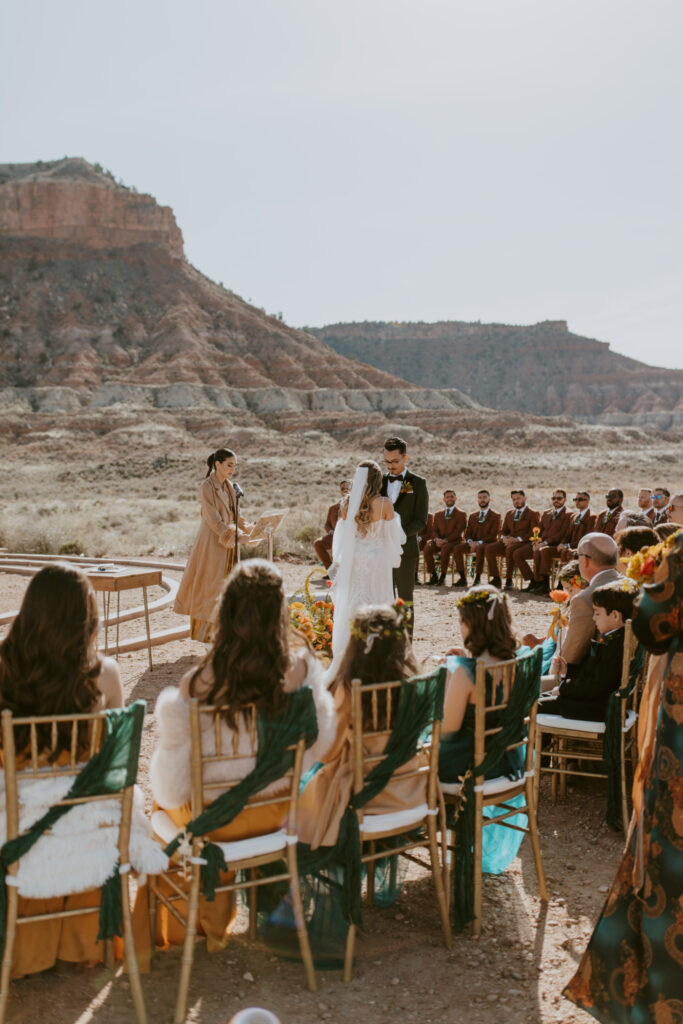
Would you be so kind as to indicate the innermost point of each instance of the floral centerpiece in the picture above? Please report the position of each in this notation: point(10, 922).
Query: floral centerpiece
point(313, 617)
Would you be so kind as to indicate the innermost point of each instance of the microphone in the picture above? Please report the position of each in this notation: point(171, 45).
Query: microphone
point(237, 489)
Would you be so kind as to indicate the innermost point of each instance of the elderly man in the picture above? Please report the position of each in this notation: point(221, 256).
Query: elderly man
point(597, 564)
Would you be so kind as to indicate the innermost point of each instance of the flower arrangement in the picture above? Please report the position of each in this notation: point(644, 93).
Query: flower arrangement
point(313, 618)
point(536, 535)
point(559, 618)
point(644, 564)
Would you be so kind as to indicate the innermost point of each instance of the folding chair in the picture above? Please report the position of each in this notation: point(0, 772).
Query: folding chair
point(243, 856)
point(576, 740)
point(497, 717)
point(109, 742)
point(375, 829)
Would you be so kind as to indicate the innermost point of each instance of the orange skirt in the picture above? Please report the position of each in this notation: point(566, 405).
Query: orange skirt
point(216, 917)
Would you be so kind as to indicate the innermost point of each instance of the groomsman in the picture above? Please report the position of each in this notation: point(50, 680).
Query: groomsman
point(609, 517)
point(661, 506)
point(517, 526)
point(410, 498)
point(583, 523)
point(447, 530)
point(482, 528)
point(323, 545)
point(556, 524)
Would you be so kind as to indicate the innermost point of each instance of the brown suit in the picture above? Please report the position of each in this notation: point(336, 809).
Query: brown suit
point(555, 530)
point(579, 530)
point(448, 529)
point(661, 515)
point(512, 528)
point(323, 545)
point(483, 534)
point(607, 521)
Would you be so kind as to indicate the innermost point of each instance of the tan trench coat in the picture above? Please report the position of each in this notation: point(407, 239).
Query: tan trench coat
point(212, 555)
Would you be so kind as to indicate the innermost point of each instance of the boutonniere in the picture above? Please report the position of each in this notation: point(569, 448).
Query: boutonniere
point(406, 488)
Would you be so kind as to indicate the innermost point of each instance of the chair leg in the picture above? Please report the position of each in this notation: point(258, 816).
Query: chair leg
point(624, 797)
point(301, 931)
point(253, 906)
point(151, 895)
point(371, 876)
point(535, 841)
point(477, 881)
point(437, 875)
point(109, 960)
point(130, 954)
point(10, 935)
point(188, 944)
point(348, 952)
point(538, 754)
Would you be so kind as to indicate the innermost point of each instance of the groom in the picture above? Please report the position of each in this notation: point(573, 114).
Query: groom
point(408, 492)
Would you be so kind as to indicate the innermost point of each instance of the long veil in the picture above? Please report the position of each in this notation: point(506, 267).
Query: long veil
point(343, 548)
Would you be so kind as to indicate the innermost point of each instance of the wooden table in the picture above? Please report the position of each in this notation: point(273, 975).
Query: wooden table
point(113, 581)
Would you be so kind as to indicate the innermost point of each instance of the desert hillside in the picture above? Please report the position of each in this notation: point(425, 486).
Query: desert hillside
point(542, 368)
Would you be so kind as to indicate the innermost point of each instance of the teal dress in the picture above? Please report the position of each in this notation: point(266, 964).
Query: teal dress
point(500, 845)
point(632, 970)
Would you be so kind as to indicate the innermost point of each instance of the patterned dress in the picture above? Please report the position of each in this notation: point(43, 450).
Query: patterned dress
point(632, 971)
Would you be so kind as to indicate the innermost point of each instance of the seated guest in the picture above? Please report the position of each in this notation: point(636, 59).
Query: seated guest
point(517, 528)
point(556, 525)
point(666, 530)
point(323, 545)
point(379, 651)
point(661, 501)
point(582, 523)
point(487, 635)
point(250, 663)
point(49, 665)
point(632, 539)
point(597, 563)
point(572, 583)
point(447, 530)
point(631, 517)
point(645, 501)
point(607, 520)
point(482, 528)
point(584, 695)
point(676, 509)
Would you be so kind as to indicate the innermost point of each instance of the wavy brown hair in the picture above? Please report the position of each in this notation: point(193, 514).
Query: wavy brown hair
point(390, 658)
point(372, 490)
point(49, 663)
point(250, 653)
point(494, 635)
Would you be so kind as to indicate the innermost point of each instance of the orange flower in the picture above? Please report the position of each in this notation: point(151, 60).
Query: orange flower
point(559, 596)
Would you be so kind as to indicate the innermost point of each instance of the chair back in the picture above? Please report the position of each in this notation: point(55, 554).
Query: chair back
point(494, 687)
point(209, 750)
point(633, 671)
point(374, 707)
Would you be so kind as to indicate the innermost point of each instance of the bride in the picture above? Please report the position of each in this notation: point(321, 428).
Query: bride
point(366, 548)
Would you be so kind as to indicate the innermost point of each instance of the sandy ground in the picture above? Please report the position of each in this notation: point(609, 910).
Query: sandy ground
point(514, 973)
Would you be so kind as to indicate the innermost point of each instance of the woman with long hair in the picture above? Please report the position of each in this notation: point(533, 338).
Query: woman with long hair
point(367, 546)
point(49, 665)
point(214, 551)
point(250, 662)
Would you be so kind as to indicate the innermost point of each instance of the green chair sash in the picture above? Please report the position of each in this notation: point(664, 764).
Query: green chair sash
point(611, 743)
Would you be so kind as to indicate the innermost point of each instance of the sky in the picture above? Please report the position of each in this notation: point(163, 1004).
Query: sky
point(506, 161)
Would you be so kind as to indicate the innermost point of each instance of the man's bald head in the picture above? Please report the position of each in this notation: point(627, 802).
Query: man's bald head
point(598, 552)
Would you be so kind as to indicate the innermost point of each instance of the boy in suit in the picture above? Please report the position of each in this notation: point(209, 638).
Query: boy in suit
point(410, 498)
point(585, 694)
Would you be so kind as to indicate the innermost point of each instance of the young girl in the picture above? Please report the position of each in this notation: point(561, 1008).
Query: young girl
point(49, 665)
point(250, 663)
point(378, 651)
point(487, 636)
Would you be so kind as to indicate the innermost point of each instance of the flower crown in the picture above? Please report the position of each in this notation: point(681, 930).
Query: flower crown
point(489, 597)
point(644, 564)
point(404, 616)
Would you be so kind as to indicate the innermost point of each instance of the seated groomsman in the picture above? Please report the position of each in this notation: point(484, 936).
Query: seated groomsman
point(645, 502)
point(609, 517)
point(661, 502)
point(323, 545)
point(517, 526)
point(483, 528)
point(447, 531)
point(583, 523)
point(556, 525)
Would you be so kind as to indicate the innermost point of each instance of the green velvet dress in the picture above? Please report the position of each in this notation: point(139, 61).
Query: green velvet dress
point(632, 970)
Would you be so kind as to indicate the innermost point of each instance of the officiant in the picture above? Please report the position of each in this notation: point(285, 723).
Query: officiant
point(410, 498)
point(215, 548)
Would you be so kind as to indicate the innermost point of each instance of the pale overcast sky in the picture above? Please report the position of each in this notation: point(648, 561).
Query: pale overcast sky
point(494, 160)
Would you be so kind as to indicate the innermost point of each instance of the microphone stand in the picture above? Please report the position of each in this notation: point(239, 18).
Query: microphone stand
point(238, 495)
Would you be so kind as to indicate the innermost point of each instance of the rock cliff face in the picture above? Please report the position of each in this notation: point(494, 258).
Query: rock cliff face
point(70, 201)
point(543, 368)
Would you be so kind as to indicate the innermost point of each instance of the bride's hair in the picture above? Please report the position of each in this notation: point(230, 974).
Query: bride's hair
point(378, 651)
point(372, 489)
point(250, 653)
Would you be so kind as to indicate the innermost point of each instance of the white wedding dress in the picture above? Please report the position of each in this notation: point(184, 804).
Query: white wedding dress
point(367, 579)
